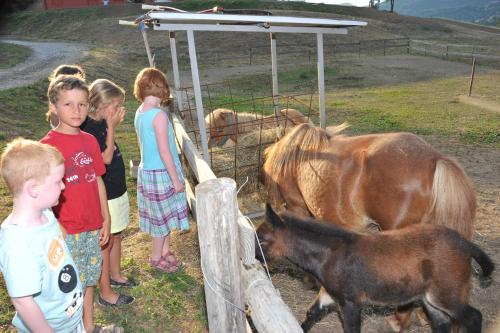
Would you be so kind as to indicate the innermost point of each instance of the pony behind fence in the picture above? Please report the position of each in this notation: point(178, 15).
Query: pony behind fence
point(391, 180)
point(421, 262)
point(224, 124)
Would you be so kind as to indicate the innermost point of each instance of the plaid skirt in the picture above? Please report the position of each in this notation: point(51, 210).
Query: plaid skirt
point(161, 210)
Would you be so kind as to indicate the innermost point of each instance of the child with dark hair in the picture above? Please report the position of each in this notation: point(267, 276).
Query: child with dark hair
point(83, 208)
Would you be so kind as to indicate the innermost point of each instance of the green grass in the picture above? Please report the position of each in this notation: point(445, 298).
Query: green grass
point(12, 54)
point(164, 303)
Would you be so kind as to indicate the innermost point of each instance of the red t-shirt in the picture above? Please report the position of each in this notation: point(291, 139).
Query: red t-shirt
point(79, 208)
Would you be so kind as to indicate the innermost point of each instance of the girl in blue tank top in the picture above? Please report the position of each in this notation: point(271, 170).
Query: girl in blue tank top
point(161, 197)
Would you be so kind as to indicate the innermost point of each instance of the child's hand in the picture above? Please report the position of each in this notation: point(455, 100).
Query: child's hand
point(104, 234)
point(115, 118)
point(179, 186)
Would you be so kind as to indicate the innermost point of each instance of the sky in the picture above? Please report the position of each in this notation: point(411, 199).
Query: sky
point(359, 3)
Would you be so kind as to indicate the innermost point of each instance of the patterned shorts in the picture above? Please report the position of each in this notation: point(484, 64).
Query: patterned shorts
point(86, 252)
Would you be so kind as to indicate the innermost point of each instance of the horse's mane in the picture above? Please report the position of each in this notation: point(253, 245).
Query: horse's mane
point(317, 229)
point(300, 145)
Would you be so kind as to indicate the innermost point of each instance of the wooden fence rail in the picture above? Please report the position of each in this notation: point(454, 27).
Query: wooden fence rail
point(227, 246)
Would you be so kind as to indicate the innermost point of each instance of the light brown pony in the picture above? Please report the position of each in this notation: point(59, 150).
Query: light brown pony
point(389, 181)
point(224, 124)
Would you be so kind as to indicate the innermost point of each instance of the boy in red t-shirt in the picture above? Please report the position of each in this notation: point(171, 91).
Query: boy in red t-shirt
point(82, 209)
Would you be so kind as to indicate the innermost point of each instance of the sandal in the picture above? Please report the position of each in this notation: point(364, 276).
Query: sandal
point(171, 259)
point(163, 265)
point(108, 329)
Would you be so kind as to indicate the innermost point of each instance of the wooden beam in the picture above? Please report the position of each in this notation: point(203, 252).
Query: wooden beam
point(217, 210)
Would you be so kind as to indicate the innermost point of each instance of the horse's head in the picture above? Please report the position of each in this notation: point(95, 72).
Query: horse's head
point(219, 124)
point(270, 235)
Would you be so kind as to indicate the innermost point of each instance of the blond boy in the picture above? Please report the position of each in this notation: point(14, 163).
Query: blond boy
point(38, 269)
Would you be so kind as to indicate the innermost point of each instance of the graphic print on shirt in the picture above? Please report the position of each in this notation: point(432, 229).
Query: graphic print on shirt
point(81, 169)
point(67, 278)
point(56, 253)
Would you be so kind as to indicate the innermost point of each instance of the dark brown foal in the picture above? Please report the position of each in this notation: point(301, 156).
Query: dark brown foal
point(422, 262)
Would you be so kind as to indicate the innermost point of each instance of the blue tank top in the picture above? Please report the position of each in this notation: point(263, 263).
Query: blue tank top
point(150, 156)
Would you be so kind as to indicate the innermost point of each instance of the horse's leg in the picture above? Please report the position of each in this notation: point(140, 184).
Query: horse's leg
point(472, 319)
point(351, 317)
point(440, 322)
point(401, 318)
point(323, 305)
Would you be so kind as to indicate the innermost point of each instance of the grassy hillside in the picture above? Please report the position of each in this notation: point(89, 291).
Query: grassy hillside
point(479, 11)
point(428, 107)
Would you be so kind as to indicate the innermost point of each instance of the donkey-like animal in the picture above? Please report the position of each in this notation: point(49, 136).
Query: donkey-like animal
point(423, 262)
point(225, 124)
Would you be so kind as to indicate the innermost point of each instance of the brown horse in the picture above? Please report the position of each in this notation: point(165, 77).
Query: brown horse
point(422, 262)
point(386, 181)
point(224, 124)
point(391, 180)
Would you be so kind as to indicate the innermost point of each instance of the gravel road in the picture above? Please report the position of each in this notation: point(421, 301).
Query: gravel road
point(45, 57)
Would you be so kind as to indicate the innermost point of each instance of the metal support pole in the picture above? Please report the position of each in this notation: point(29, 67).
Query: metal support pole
point(321, 81)
point(175, 70)
point(197, 94)
point(274, 64)
point(142, 27)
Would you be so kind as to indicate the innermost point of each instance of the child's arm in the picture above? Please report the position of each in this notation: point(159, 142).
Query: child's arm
point(31, 314)
point(106, 219)
point(113, 119)
point(160, 125)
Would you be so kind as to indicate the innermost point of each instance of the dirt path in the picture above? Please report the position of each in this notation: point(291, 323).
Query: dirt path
point(45, 57)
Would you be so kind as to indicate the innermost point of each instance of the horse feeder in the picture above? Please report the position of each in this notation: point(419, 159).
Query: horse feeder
point(171, 19)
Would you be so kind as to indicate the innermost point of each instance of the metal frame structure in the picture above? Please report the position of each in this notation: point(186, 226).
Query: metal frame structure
point(159, 19)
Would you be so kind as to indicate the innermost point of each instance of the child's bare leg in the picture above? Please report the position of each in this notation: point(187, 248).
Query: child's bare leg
point(115, 255)
point(88, 309)
point(166, 246)
point(158, 243)
point(104, 285)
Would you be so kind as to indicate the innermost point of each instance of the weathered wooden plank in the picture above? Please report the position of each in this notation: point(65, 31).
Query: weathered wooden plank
point(268, 311)
point(217, 211)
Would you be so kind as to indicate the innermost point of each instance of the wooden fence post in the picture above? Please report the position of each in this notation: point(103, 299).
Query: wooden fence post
point(472, 75)
point(217, 215)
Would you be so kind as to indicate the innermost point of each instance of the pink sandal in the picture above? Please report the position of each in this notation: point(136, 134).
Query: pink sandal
point(171, 259)
point(163, 265)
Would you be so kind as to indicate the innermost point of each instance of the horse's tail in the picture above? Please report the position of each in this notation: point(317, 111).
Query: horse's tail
point(283, 158)
point(487, 265)
point(453, 198)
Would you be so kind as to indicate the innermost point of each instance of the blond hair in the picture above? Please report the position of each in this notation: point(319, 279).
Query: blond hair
point(152, 82)
point(102, 93)
point(23, 160)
